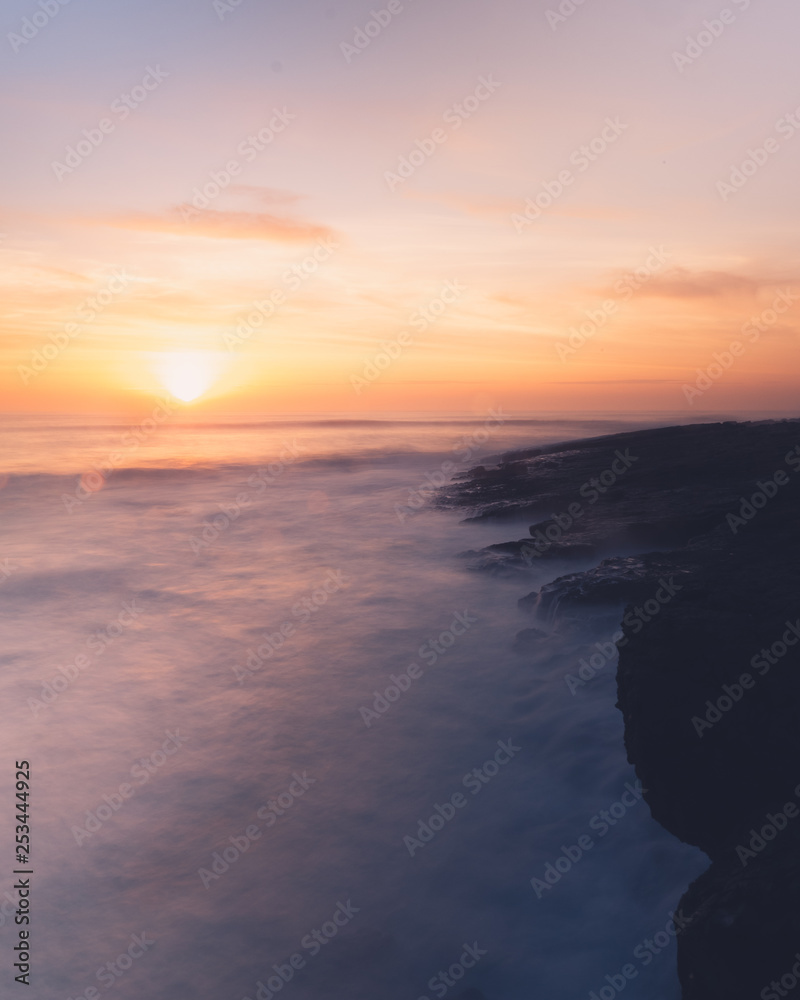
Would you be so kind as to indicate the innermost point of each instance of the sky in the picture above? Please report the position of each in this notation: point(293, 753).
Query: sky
point(405, 206)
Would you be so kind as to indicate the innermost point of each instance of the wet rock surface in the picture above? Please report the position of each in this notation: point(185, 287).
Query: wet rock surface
point(698, 527)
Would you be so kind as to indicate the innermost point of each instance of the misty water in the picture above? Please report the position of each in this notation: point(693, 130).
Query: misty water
point(130, 658)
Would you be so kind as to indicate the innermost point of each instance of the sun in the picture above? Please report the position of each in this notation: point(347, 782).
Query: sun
point(189, 374)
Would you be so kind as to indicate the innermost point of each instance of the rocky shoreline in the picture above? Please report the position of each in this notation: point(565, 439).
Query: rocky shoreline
point(695, 529)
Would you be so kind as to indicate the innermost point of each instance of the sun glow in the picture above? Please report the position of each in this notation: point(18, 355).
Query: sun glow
point(189, 374)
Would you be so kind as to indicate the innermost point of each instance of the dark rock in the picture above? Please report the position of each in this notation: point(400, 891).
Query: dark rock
point(680, 483)
point(521, 556)
point(709, 686)
point(744, 926)
point(613, 583)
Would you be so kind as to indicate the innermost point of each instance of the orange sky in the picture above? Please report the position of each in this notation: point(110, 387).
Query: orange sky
point(311, 226)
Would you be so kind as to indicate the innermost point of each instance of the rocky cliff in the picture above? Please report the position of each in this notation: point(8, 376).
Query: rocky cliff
point(701, 524)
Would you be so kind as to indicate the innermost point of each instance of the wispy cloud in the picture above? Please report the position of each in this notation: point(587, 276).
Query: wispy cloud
point(265, 195)
point(682, 283)
point(185, 220)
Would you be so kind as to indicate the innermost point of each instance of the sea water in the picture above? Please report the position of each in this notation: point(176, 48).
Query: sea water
point(280, 741)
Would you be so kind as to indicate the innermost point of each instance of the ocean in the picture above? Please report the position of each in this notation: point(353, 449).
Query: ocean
point(280, 740)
